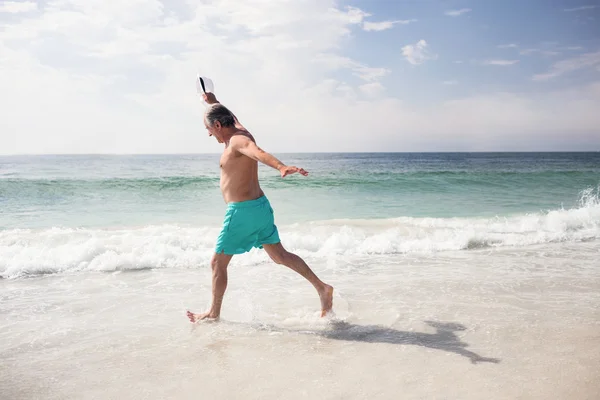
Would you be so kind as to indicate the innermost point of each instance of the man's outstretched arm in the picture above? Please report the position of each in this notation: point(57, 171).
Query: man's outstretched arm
point(248, 148)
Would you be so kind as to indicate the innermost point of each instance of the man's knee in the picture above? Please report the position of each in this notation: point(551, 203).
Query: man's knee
point(218, 262)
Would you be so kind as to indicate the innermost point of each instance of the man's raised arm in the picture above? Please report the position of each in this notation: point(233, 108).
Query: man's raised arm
point(247, 147)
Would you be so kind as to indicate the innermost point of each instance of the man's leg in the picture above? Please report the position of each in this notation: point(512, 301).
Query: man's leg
point(218, 264)
point(283, 257)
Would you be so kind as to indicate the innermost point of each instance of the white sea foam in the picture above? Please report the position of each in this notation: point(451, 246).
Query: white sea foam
point(31, 252)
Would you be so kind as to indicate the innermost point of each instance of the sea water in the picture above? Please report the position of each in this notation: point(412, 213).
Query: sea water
point(63, 214)
point(456, 275)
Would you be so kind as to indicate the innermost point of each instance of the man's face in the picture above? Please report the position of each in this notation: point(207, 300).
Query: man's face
point(214, 130)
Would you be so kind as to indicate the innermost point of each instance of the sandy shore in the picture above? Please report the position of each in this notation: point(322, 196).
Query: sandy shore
point(494, 324)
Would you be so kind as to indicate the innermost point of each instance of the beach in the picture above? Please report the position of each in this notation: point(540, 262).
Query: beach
point(490, 325)
point(487, 290)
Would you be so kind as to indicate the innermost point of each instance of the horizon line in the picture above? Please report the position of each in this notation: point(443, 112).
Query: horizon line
point(309, 152)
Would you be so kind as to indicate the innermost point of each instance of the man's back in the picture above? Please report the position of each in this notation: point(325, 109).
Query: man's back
point(239, 174)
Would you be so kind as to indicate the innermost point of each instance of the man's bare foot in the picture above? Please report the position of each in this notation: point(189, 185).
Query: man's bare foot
point(198, 317)
point(326, 295)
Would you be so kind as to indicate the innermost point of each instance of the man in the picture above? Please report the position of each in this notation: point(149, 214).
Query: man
point(249, 220)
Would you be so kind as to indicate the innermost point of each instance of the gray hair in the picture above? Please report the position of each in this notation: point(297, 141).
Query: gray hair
point(218, 112)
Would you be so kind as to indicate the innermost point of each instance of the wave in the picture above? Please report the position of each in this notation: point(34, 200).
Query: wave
point(25, 252)
point(426, 180)
point(86, 185)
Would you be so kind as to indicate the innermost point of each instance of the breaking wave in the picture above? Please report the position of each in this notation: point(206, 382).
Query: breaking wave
point(25, 252)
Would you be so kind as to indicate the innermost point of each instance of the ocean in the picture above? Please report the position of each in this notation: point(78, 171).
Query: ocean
point(63, 214)
point(100, 256)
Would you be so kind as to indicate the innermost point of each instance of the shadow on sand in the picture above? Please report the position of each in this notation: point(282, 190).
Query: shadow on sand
point(443, 339)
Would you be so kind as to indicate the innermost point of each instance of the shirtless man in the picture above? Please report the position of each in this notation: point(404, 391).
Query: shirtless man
point(249, 220)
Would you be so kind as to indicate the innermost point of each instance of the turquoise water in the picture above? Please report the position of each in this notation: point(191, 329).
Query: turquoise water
point(110, 191)
point(106, 213)
point(438, 261)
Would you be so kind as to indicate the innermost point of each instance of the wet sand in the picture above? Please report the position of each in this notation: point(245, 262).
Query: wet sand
point(493, 324)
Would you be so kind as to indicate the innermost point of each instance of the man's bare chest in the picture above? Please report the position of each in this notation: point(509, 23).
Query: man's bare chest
point(230, 161)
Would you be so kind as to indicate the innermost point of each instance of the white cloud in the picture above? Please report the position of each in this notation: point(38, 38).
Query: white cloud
point(451, 82)
point(588, 60)
point(356, 15)
point(383, 25)
point(500, 62)
point(547, 48)
point(335, 62)
point(93, 76)
point(539, 51)
point(456, 13)
point(370, 74)
point(580, 8)
point(515, 120)
point(418, 53)
point(373, 89)
point(144, 83)
point(18, 6)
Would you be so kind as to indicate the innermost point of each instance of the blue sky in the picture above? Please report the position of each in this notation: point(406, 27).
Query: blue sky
point(535, 34)
point(90, 76)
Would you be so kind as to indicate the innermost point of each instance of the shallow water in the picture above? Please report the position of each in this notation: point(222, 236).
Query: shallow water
point(496, 323)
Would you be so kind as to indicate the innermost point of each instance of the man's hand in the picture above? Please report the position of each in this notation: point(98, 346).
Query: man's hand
point(210, 98)
point(288, 170)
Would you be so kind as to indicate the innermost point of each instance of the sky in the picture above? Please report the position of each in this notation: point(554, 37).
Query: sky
point(103, 77)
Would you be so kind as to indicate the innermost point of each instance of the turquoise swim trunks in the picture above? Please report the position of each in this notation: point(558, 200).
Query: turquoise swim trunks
point(247, 224)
